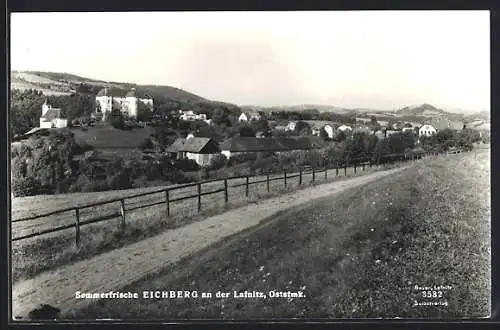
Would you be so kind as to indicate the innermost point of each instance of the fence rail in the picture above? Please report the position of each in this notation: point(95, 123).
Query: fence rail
point(121, 212)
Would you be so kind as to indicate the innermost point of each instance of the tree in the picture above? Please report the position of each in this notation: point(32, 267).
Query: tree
point(324, 134)
point(302, 128)
point(144, 113)
point(220, 117)
point(261, 125)
point(247, 131)
point(116, 119)
point(339, 136)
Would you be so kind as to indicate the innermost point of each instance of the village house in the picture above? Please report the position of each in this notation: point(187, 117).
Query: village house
point(201, 150)
point(318, 125)
point(109, 99)
point(290, 126)
point(239, 145)
point(426, 130)
point(191, 116)
point(249, 116)
point(344, 128)
point(52, 117)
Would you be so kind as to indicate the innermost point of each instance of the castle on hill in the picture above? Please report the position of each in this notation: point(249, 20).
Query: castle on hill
point(108, 100)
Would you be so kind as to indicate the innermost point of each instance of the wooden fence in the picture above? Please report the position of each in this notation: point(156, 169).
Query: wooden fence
point(356, 164)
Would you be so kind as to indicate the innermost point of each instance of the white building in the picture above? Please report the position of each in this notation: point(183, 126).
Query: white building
point(344, 128)
point(127, 104)
point(51, 117)
point(329, 130)
point(249, 116)
point(191, 116)
point(427, 130)
point(291, 126)
point(243, 117)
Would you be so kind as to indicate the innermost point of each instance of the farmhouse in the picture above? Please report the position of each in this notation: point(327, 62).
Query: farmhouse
point(238, 145)
point(108, 99)
point(249, 116)
point(344, 128)
point(426, 130)
point(290, 126)
point(318, 125)
point(191, 116)
point(51, 117)
point(201, 150)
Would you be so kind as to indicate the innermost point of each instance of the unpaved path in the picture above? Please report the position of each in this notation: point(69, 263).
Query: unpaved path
point(118, 268)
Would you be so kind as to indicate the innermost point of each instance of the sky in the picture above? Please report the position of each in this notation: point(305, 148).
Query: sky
point(354, 59)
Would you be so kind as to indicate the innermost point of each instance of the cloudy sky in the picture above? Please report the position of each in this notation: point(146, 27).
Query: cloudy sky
point(383, 60)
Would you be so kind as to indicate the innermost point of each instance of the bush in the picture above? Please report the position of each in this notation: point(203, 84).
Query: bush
point(28, 186)
point(186, 165)
point(219, 161)
point(120, 180)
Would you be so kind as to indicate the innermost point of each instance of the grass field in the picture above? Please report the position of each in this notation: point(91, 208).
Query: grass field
point(360, 254)
point(104, 136)
point(34, 255)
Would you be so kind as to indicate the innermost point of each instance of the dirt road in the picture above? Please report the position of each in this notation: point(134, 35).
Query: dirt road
point(118, 268)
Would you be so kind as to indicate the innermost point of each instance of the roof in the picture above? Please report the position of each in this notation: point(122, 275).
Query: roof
point(177, 145)
point(195, 145)
point(52, 113)
point(116, 92)
point(253, 144)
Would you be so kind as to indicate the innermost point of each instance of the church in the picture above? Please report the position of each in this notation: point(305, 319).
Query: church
point(107, 100)
point(51, 117)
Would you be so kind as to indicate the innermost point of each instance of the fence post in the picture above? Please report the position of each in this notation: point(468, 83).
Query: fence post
point(314, 174)
point(371, 161)
point(345, 169)
point(326, 173)
point(354, 166)
point(246, 186)
point(225, 191)
point(337, 168)
point(199, 197)
point(77, 226)
point(364, 160)
point(122, 211)
point(285, 177)
point(300, 176)
point(167, 199)
point(267, 182)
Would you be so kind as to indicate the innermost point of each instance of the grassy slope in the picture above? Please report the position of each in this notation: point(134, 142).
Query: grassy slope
point(32, 78)
point(359, 255)
point(105, 136)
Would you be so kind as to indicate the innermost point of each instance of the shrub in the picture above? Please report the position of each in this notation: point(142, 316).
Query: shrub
point(28, 186)
point(186, 165)
point(120, 180)
point(219, 161)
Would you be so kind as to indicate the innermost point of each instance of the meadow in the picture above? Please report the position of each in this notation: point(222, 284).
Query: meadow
point(366, 253)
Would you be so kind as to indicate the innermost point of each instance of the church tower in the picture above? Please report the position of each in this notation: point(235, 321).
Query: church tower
point(45, 107)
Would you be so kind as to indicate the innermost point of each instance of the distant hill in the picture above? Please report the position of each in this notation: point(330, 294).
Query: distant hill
point(424, 110)
point(55, 83)
point(301, 107)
